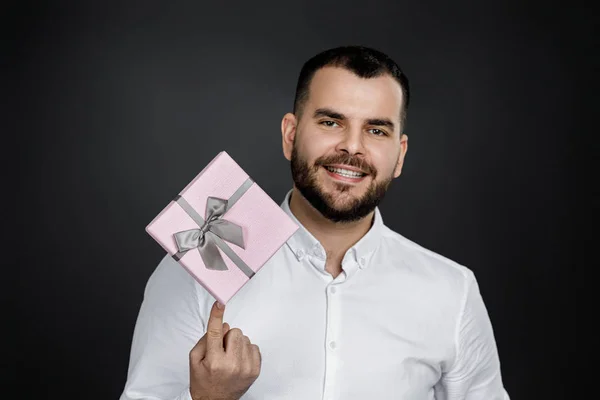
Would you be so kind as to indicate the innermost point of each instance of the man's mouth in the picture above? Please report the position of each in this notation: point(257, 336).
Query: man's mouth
point(345, 173)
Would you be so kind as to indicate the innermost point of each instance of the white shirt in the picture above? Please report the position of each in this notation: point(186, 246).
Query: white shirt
point(400, 322)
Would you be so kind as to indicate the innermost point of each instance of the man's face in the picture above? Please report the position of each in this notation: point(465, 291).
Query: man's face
point(346, 148)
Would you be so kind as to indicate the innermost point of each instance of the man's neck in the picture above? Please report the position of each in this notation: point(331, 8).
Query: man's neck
point(335, 237)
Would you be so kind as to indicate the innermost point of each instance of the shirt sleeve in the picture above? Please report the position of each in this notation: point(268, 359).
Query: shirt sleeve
point(475, 373)
point(168, 326)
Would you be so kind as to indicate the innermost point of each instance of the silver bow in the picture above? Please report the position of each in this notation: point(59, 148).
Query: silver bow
point(203, 238)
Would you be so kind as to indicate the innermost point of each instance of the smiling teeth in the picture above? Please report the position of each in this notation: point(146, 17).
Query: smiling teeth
point(345, 172)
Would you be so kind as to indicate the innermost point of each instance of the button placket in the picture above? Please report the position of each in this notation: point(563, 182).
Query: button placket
point(333, 320)
point(332, 344)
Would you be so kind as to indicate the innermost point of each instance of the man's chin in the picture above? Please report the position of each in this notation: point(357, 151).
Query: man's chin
point(341, 203)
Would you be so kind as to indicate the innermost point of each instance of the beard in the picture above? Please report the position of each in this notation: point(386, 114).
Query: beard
point(356, 208)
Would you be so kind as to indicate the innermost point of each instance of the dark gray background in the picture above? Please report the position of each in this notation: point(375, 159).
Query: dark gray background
point(120, 105)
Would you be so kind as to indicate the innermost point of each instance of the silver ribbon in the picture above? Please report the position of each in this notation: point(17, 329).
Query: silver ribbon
point(213, 232)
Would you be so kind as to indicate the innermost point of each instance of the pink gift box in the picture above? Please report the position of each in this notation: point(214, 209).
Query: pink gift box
point(242, 235)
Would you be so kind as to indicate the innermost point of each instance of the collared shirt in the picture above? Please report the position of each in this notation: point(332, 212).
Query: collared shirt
point(400, 322)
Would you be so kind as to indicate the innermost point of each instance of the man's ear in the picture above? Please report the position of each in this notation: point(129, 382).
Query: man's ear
point(403, 150)
point(288, 134)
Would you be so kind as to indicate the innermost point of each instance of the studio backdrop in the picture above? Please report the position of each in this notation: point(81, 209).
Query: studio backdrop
point(122, 104)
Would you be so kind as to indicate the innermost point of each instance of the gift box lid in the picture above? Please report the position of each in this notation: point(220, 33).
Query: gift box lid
point(243, 208)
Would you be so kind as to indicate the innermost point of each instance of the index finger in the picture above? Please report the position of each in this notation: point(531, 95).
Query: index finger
point(214, 331)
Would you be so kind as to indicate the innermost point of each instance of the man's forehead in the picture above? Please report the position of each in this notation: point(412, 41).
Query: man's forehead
point(355, 97)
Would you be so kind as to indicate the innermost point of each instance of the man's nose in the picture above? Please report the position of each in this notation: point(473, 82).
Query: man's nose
point(352, 142)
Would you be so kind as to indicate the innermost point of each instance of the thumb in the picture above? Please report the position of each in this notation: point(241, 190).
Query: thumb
point(199, 350)
point(200, 347)
point(214, 329)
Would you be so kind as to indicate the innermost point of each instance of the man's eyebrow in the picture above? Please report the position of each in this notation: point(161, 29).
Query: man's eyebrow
point(381, 122)
point(329, 113)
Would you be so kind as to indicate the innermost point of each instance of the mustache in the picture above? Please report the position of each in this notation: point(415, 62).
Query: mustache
point(347, 160)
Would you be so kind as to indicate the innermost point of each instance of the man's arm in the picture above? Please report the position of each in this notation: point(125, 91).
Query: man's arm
point(475, 373)
point(168, 326)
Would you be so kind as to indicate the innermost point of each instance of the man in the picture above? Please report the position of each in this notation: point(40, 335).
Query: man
point(347, 308)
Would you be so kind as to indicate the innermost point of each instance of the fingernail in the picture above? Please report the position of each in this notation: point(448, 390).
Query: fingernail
point(220, 306)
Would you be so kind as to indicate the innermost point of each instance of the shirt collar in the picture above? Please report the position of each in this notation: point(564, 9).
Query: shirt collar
point(303, 243)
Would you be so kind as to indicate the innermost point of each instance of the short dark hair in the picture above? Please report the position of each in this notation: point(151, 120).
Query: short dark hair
point(363, 61)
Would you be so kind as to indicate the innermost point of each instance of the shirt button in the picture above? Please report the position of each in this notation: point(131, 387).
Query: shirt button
point(300, 253)
point(333, 290)
point(332, 345)
point(362, 261)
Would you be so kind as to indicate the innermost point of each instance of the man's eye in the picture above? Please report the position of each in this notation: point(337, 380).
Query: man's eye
point(329, 123)
point(378, 132)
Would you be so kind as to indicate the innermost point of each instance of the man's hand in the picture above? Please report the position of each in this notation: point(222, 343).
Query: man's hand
point(223, 364)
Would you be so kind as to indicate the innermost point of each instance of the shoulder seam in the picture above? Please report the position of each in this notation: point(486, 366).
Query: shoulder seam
point(467, 288)
point(416, 247)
